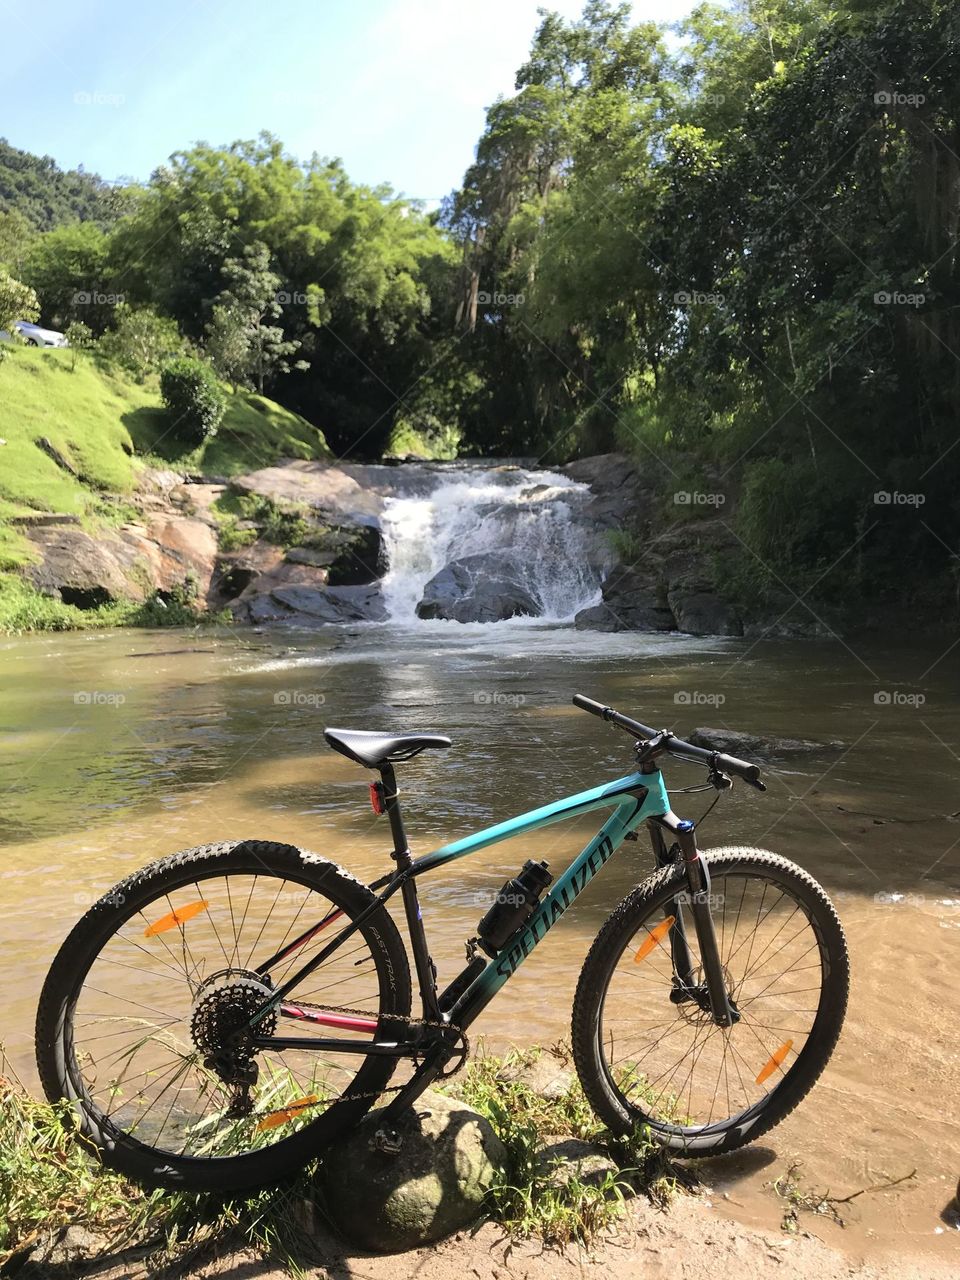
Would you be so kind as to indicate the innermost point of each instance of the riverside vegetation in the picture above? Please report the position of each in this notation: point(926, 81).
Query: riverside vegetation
point(49, 1185)
point(731, 254)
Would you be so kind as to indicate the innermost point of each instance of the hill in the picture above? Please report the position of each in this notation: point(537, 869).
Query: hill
point(47, 195)
point(76, 440)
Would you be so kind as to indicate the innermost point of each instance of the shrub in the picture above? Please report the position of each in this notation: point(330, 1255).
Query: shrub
point(141, 341)
point(193, 399)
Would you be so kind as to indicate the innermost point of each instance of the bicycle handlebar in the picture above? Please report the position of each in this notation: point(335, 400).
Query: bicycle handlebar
point(676, 746)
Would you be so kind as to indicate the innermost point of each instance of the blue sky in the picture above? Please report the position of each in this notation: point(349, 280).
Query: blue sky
point(397, 88)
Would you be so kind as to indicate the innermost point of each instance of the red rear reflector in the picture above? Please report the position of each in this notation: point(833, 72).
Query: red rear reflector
point(376, 798)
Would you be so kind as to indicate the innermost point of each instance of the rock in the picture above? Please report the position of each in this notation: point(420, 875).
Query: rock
point(621, 495)
point(63, 1249)
point(62, 461)
point(751, 745)
point(569, 1159)
point(704, 613)
point(321, 486)
point(333, 604)
point(353, 554)
point(545, 1074)
point(132, 564)
point(485, 587)
point(632, 601)
point(434, 1186)
point(79, 570)
point(44, 517)
point(176, 548)
point(318, 559)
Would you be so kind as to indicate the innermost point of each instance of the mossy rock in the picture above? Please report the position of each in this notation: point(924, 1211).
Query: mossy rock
point(435, 1185)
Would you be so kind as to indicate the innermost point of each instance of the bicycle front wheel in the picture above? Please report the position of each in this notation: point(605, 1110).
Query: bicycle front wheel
point(647, 1049)
point(144, 1019)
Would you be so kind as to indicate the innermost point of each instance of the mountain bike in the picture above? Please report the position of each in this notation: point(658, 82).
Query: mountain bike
point(217, 1019)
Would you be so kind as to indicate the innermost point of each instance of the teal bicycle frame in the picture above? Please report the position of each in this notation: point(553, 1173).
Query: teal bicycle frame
point(437, 1037)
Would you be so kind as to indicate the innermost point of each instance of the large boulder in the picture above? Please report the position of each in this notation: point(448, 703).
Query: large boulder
point(77, 569)
point(633, 600)
point(320, 486)
point(163, 553)
point(436, 1184)
point(486, 587)
point(333, 604)
point(750, 745)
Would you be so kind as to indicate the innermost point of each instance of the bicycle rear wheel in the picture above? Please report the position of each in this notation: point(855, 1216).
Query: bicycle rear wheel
point(139, 1017)
point(646, 1047)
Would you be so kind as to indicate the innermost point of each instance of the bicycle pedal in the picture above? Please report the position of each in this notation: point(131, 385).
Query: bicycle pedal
point(388, 1141)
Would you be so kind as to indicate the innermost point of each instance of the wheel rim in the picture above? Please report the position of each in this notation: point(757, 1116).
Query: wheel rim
point(154, 1011)
point(668, 1064)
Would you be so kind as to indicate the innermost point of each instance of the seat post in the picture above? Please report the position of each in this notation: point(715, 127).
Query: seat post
point(391, 800)
point(426, 969)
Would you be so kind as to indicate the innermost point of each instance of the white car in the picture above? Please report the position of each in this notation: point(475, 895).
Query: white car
point(34, 336)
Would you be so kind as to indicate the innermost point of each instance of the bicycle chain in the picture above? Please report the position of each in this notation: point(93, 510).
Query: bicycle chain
point(390, 1017)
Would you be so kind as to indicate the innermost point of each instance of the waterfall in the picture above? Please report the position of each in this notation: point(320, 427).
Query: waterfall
point(533, 518)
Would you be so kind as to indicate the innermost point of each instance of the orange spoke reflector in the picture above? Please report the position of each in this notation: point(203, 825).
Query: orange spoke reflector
point(173, 919)
point(775, 1061)
point(288, 1113)
point(656, 936)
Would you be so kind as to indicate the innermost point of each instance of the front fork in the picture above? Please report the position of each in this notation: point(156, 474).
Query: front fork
point(723, 1011)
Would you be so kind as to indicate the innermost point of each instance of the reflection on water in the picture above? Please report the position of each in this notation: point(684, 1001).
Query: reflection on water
point(119, 747)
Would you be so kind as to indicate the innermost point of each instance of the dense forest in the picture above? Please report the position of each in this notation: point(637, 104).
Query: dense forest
point(730, 249)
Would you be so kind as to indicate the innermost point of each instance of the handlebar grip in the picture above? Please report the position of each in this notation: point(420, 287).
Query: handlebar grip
point(588, 704)
point(741, 768)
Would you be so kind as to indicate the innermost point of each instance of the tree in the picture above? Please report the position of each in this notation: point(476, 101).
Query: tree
point(80, 338)
point(17, 302)
point(249, 303)
point(140, 341)
point(69, 270)
point(16, 235)
point(227, 343)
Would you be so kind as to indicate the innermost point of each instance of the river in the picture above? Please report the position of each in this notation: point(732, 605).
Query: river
point(118, 747)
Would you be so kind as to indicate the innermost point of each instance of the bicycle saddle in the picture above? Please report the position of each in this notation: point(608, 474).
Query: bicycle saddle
point(373, 749)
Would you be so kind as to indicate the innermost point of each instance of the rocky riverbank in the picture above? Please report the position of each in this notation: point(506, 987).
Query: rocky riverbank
point(304, 542)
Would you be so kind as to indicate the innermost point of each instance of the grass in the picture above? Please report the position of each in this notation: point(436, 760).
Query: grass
point(48, 1180)
point(98, 420)
point(23, 608)
point(282, 524)
point(529, 1199)
point(254, 433)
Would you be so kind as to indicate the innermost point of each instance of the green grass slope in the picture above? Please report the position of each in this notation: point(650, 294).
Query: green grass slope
point(99, 421)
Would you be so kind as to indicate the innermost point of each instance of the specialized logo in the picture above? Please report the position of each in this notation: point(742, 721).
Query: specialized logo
point(553, 907)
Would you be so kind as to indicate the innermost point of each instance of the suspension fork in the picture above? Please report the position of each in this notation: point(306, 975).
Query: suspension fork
point(698, 899)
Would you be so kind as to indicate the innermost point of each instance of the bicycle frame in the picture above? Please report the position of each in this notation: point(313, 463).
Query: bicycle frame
point(637, 798)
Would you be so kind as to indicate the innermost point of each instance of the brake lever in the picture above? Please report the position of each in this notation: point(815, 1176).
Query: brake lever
point(757, 785)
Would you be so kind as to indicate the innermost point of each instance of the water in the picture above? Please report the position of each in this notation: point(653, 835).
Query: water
point(534, 517)
point(119, 747)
